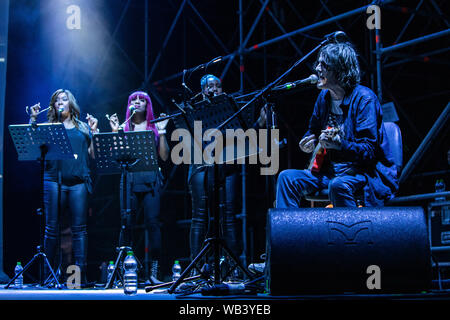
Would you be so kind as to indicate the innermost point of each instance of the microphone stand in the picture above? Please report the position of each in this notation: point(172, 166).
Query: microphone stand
point(190, 71)
point(271, 123)
point(202, 66)
point(126, 120)
point(167, 117)
point(271, 85)
point(262, 94)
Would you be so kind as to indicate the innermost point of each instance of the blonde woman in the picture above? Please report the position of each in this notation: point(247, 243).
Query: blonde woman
point(67, 182)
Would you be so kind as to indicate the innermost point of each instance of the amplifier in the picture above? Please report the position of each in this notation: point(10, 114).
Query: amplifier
point(439, 231)
point(319, 250)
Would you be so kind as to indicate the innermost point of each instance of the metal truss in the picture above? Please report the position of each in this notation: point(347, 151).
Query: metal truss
point(382, 55)
point(377, 59)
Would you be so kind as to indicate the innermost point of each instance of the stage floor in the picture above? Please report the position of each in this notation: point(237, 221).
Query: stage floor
point(79, 294)
point(34, 293)
point(111, 302)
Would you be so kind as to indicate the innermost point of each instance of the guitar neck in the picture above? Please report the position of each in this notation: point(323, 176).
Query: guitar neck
point(319, 148)
point(314, 154)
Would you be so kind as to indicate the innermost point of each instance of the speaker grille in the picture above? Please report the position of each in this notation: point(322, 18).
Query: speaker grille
point(321, 250)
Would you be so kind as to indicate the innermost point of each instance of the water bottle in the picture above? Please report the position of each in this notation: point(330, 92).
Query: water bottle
point(130, 277)
point(110, 270)
point(176, 271)
point(440, 187)
point(18, 282)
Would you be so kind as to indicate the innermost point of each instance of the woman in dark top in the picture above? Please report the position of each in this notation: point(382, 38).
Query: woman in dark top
point(144, 187)
point(68, 180)
point(200, 184)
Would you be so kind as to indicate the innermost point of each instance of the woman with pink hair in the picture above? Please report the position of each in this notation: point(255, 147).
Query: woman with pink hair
point(144, 187)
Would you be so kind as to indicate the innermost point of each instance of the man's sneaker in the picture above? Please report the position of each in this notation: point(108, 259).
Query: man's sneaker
point(257, 268)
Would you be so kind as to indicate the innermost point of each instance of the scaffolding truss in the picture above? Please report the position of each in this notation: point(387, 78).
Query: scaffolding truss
point(376, 59)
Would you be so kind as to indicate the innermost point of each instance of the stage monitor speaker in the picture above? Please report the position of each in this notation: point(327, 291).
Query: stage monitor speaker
point(347, 250)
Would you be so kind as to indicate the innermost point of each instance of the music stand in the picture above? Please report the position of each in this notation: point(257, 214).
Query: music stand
point(47, 141)
point(124, 152)
point(212, 113)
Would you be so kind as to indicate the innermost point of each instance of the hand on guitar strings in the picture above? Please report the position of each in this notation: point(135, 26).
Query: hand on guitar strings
point(330, 139)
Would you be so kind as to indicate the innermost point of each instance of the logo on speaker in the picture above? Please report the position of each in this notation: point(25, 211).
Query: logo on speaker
point(338, 231)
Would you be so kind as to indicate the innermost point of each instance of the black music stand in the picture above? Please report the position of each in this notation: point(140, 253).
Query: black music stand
point(124, 152)
point(212, 113)
point(47, 141)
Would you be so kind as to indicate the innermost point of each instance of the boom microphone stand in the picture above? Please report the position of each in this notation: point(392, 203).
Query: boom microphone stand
point(336, 36)
point(218, 241)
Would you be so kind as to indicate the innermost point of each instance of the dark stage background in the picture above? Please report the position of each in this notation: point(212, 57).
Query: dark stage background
point(106, 59)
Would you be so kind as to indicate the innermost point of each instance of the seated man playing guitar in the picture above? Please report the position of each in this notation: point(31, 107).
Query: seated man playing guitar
point(346, 132)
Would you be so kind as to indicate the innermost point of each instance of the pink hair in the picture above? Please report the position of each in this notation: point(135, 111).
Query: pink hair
point(149, 112)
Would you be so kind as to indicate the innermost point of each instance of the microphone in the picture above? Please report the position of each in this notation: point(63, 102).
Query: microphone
point(203, 65)
point(337, 37)
point(183, 84)
point(312, 79)
point(132, 108)
point(179, 107)
point(187, 88)
point(60, 110)
point(195, 96)
point(215, 60)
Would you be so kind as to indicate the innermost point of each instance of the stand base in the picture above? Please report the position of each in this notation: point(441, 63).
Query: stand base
point(167, 284)
point(214, 244)
point(38, 255)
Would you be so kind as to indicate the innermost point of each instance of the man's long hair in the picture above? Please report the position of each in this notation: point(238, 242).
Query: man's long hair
point(342, 59)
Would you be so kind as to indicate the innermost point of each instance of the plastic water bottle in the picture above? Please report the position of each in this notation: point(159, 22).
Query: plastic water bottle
point(18, 282)
point(110, 270)
point(440, 187)
point(176, 270)
point(130, 277)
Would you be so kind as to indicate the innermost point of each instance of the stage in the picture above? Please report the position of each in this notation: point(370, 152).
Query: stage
point(270, 68)
point(112, 302)
point(33, 293)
